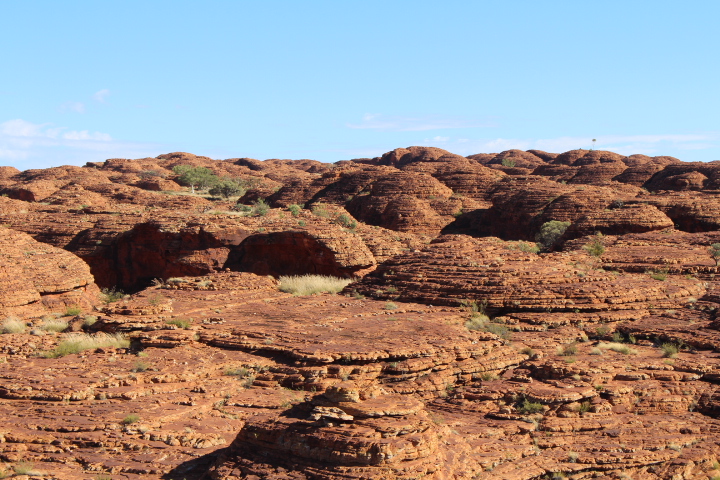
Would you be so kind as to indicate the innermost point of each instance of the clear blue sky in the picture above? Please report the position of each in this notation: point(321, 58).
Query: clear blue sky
point(332, 80)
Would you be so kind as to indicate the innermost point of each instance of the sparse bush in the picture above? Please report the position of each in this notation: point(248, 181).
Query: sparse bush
point(13, 325)
point(130, 419)
point(346, 221)
point(506, 162)
point(295, 210)
point(568, 350)
point(80, 342)
point(320, 210)
point(670, 350)
point(140, 366)
point(497, 329)
point(595, 248)
point(72, 311)
point(260, 208)
point(24, 468)
point(390, 306)
point(54, 325)
point(584, 407)
point(183, 323)
point(550, 233)
point(110, 295)
point(617, 347)
point(312, 284)
point(528, 407)
point(659, 274)
point(89, 320)
point(226, 188)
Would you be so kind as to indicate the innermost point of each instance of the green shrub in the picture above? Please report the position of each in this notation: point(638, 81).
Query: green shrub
point(24, 468)
point(140, 366)
point(320, 210)
point(595, 247)
point(227, 188)
point(529, 407)
point(110, 295)
point(12, 325)
point(80, 342)
point(659, 274)
point(89, 320)
point(295, 209)
point(584, 407)
point(670, 350)
point(130, 419)
point(183, 323)
point(346, 221)
point(550, 233)
point(617, 347)
point(311, 284)
point(506, 162)
point(390, 306)
point(72, 311)
point(260, 208)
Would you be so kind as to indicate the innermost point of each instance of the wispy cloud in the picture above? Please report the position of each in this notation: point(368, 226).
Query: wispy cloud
point(77, 107)
point(25, 144)
point(393, 123)
point(100, 95)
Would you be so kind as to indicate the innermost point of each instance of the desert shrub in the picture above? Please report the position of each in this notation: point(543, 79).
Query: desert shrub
point(617, 347)
point(12, 325)
point(390, 306)
point(89, 320)
point(72, 311)
point(568, 349)
point(260, 208)
point(584, 406)
point(226, 188)
point(110, 295)
point(183, 323)
point(506, 162)
point(312, 284)
point(670, 350)
point(80, 342)
point(295, 210)
point(497, 329)
point(529, 407)
point(24, 468)
point(54, 325)
point(130, 419)
point(550, 233)
point(659, 274)
point(527, 247)
point(346, 221)
point(140, 366)
point(320, 210)
point(595, 247)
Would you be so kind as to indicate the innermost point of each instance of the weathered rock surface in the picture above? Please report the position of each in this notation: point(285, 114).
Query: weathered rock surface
point(449, 357)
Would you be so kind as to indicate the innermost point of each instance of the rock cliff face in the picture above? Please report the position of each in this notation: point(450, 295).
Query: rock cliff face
point(459, 349)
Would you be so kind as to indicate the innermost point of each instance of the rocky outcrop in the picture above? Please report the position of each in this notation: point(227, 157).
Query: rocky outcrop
point(37, 278)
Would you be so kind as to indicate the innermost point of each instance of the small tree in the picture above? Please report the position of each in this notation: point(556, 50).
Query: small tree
point(714, 251)
point(199, 177)
point(550, 233)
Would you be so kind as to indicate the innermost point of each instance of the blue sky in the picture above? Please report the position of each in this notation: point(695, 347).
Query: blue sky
point(331, 80)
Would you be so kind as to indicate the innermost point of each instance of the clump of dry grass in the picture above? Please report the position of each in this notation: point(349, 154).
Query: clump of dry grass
point(617, 347)
point(12, 325)
point(54, 325)
point(312, 284)
point(77, 343)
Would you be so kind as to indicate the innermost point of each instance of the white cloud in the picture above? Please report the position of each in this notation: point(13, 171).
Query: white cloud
point(77, 107)
point(376, 121)
point(100, 95)
point(31, 145)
